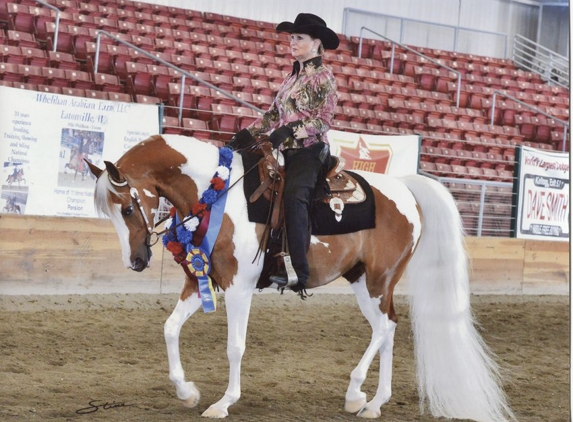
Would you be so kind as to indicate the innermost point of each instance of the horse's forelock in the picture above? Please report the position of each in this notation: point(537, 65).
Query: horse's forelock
point(104, 191)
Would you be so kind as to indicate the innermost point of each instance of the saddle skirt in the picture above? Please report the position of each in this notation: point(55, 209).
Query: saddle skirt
point(346, 193)
point(342, 187)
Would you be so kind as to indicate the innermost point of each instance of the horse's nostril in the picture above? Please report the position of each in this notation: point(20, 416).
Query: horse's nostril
point(138, 265)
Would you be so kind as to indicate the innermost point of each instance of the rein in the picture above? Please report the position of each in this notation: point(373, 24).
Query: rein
point(152, 235)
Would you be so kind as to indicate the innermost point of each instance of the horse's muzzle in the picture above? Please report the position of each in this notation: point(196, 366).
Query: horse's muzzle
point(141, 263)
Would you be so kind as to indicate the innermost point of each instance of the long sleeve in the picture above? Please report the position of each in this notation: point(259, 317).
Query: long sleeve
point(306, 102)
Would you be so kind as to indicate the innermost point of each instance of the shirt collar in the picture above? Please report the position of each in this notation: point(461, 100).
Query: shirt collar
point(316, 61)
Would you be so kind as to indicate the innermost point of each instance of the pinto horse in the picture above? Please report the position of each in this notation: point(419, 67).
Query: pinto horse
point(417, 232)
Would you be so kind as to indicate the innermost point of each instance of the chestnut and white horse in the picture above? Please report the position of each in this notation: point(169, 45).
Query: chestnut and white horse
point(418, 233)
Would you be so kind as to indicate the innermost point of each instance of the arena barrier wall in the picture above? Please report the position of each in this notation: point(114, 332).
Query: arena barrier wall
point(59, 255)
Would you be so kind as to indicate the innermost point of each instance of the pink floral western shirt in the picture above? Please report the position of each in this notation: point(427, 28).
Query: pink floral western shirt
point(306, 102)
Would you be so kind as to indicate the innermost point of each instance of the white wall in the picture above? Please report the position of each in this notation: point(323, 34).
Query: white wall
point(504, 16)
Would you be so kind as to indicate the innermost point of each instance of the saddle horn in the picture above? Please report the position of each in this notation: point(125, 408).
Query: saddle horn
point(114, 175)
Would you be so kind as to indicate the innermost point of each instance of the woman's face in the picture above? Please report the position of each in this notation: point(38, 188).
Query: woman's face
point(303, 47)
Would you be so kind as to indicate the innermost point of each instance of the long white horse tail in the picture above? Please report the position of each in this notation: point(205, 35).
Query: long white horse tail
point(456, 371)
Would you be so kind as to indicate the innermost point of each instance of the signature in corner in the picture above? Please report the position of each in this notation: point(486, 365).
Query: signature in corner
point(95, 405)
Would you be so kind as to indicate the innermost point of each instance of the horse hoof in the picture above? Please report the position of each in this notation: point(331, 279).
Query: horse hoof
point(354, 406)
point(369, 413)
point(194, 396)
point(215, 413)
point(191, 402)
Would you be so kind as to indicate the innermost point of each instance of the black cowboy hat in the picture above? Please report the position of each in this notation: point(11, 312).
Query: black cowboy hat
point(307, 23)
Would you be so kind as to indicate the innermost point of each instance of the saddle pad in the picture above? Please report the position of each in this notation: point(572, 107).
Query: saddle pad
point(355, 217)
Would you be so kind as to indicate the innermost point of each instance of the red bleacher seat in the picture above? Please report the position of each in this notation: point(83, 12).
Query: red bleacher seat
point(475, 172)
point(35, 56)
point(22, 39)
point(170, 125)
point(10, 72)
point(20, 18)
point(25, 85)
point(146, 99)
point(107, 82)
point(99, 95)
point(12, 54)
point(50, 89)
point(75, 92)
point(120, 96)
point(196, 128)
point(139, 80)
point(224, 122)
point(56, 77)
point(80, 79)
point(31, 74)
point(62, 60)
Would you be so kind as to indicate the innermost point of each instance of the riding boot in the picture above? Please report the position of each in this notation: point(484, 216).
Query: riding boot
point(298, 240)
point(298, 237)
point(303, 167)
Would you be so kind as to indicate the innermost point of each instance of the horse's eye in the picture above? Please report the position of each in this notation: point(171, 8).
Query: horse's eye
point(127, 210)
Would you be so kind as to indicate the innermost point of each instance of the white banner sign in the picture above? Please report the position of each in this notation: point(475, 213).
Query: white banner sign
point(394, 155)
point(45, 139)
point(543, 197)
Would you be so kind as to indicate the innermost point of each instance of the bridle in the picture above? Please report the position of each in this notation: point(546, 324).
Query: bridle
point(153, 236)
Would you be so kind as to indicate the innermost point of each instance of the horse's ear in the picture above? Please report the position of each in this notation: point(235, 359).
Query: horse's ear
point(115, 176)
point(96, 171)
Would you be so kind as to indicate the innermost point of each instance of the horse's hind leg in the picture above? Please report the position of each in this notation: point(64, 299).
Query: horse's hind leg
point(382, 341)
point(186, 391)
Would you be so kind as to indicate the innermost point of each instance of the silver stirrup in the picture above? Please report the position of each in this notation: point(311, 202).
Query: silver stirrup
point(292, 278)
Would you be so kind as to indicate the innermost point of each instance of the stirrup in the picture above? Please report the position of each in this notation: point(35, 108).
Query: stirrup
point(286, 276)
point(282, 280)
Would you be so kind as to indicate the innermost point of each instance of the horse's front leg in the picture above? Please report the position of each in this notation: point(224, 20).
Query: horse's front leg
point(186, 391)
point(238, 303)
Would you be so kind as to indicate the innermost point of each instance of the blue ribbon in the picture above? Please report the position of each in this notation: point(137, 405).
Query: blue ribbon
point(208, 298)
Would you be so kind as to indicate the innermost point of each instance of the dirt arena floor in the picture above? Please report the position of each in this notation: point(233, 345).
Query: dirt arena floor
point(102, 357)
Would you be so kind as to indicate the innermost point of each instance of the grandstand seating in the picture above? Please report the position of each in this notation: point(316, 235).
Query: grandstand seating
point(249, 59)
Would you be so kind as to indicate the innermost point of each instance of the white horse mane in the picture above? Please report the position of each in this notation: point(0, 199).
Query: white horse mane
point(102, 198)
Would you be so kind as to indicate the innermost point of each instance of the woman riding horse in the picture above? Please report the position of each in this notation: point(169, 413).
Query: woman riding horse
point(300, 115)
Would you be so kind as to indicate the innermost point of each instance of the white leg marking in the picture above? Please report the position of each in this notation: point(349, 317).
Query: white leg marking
point(382, 342)
point(238, 303)
point(186, 391)
point(386, 329)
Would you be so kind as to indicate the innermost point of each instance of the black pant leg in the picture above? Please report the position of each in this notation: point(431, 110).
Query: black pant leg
point(303, 168)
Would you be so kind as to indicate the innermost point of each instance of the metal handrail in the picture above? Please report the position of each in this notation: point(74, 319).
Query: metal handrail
point(172, 66)
point(394, 43)
point(541, 60)
point(537, 110)
point(402, 19)
point(57, 27)
point(483, 184)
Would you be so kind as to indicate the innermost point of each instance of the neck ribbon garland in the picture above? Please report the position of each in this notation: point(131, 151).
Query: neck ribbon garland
point(192, 239)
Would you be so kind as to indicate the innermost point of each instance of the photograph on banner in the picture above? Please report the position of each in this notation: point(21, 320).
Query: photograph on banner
point(14, 194)
point(53, 135)
point(543, 195)
point(395, 155)
point(76, 146)
point(13, 202)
